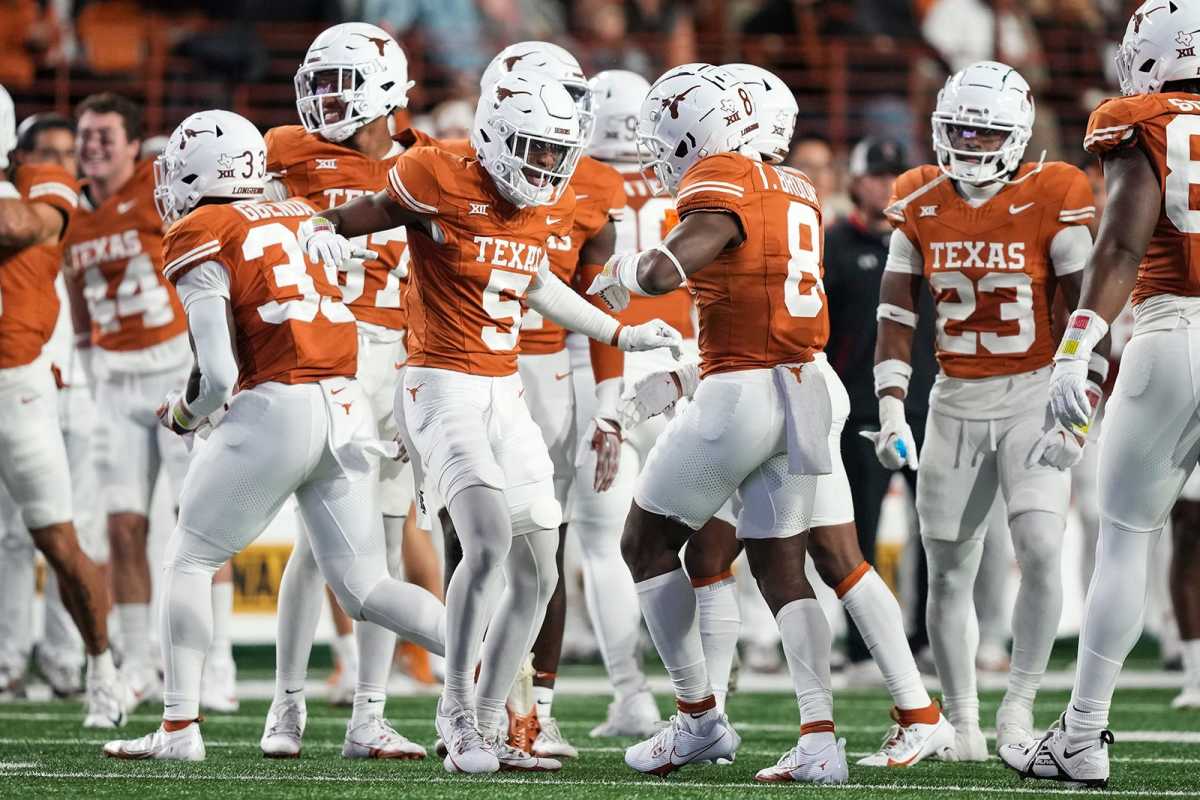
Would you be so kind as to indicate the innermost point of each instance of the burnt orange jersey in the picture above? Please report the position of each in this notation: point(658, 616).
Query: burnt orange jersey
point(645, 224)
point(1167, 129)
point(989, 268)
point(471, 269)
point(28, 302)
point(291, 325)
point(115, 249)
point(599, 198)
point(762, 302)
point(327, 175)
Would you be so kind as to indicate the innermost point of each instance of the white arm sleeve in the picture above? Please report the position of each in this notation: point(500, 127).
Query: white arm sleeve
point(560, 303)
point(903, 256)
point(1070, 248)
point(204, 292)
point(275, 189)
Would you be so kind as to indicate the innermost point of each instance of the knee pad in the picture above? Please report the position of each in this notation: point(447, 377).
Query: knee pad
point(189, 553)
point(533, 507)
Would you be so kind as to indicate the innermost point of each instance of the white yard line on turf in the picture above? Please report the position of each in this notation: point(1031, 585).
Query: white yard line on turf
point(557, 781)
point(250, 745)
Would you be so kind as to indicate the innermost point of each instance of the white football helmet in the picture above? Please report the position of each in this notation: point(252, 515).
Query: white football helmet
point(777, 111)
point(528, 138)
point(1159, 46)
point(8, 127)
point(548, 59)
point(353, 73)
point(617, 95)
point(692, 112)
point(986, 97)
point(211, 154)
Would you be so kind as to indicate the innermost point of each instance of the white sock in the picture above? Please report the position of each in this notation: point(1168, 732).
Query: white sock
point(1037, 544)
point(101, 668)
point(345, 650)
point(669, 606)
point(807, 641)
point(877, 616)
point(1112, 623)
point(953, 629)
point(375, 648)
point(222, 604)
point(1191, 662)
point(543, 701)
point(490, 714)
point(186, 631)
point(135, 632)
point(720, 622)
point(532, 574)
point(300, 601)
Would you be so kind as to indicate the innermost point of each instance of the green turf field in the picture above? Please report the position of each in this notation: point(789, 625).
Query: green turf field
point(44, 753)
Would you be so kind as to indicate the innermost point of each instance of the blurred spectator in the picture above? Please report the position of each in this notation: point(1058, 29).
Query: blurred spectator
point(29, 38)
point(452, 31)
point(452, 119)
point(604, 25)
point(668, 25)
point(812, 154)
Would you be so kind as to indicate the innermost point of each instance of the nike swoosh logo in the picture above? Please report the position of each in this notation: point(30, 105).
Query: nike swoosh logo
point(123, 207)
point(292, 691)
point(692, 755)
point(27, 400)
point(375, 701)
point(558, 377)
point(1018, 209)
point(1069, 755)
point(553, 220)
point(337, 391)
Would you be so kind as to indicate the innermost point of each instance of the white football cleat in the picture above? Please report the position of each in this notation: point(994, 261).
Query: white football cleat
point(284, 728)
point(142, 682)
point(550, 743)
point(634, 714)
point(1051, 757)
point(466, 750)
point(825, 765)
point(969, 745)
point(675, 746)
point(1188, 698)
point(1014, 725)
point(513, 759)
point(181, 745)
point(908, 745)
point(218, 686)
point(106, 703)
point(376, 738)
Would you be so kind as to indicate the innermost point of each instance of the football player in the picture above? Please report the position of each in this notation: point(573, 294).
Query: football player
point(131, 334)
point(42, 139)
point(35, 208)
point(478, 228)
point(1151, 439)
point(353, 78)
point(545, 368)
point(748, 245)
point(920, 730)
point(994, 238)
point(300, 423)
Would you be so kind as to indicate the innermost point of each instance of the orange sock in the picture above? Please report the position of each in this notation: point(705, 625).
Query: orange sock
point(926, 716)
point(172, 725)
point(821, 726)
point(698, 707)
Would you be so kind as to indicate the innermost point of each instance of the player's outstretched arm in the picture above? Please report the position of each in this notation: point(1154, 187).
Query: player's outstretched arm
point(1132, 213)
point(691, 246)
point(23, 224)
point(326, 236)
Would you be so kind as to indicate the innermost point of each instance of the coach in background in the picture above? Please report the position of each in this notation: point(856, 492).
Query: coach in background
point(856, 248)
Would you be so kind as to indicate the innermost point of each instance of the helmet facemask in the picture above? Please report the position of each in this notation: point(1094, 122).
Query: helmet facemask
point(655, 165)
point(534, 169)
point(581, 93)
point(170, 207)
point(333, 101)
point(975, 152)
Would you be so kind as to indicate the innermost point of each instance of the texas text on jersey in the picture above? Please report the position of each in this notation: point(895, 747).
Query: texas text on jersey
point(1164, 126)
point(329, 174)
point(117, 248)
point(291, 326)
point(28, 302)
point(470, 271)
point(761, 303)
point(990, 267)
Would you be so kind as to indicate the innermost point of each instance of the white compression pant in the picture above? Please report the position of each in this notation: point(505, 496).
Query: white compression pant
point(278, 440)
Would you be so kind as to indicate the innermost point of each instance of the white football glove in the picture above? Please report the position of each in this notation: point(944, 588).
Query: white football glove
point(895, 446)
point(609, 287)
point(323, 244)
point(603, 437)
point(1059, 447)
point(1069, 401)
point(650, 336)
point(655, 393)
point(173, 414)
